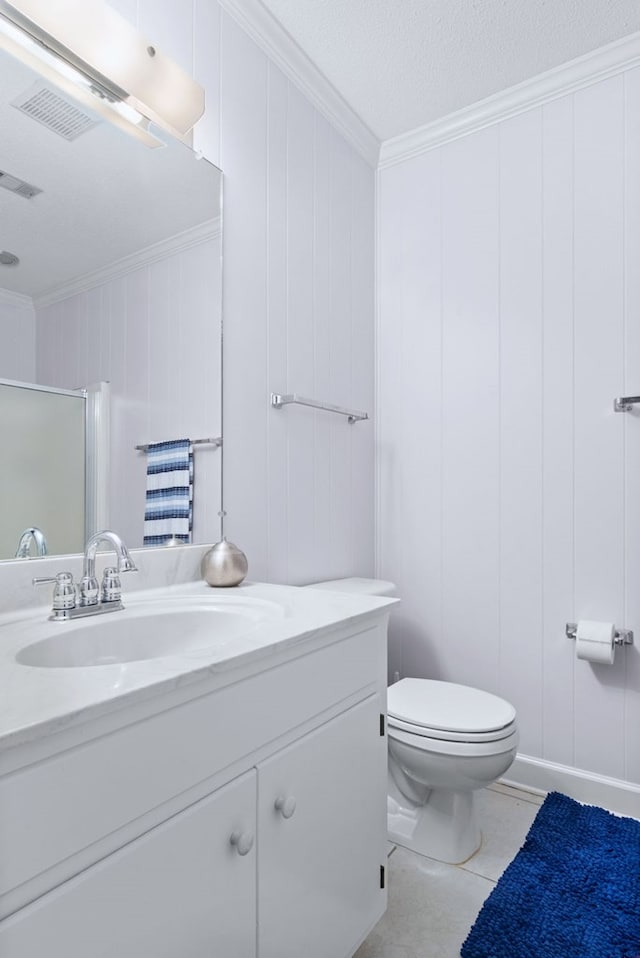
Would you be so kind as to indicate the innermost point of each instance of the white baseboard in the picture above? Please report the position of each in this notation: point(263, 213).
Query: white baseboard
point(617, 796)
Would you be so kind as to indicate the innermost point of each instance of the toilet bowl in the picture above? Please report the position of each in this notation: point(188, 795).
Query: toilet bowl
point(446, 741)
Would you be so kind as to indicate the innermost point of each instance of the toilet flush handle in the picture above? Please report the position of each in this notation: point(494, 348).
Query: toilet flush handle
point(286, 806)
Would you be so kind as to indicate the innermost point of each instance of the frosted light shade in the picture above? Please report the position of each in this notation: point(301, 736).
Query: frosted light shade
point(94, 38)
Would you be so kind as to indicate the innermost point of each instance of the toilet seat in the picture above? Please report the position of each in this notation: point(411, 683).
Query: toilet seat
point(444, 735)
point(460, 749)
point(448, 712)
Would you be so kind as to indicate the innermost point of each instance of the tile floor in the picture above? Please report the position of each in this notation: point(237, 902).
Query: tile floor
point(432, 906)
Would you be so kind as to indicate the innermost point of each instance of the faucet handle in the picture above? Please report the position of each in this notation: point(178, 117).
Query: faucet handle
point(64, 593)
point(111, 589)
point(89, 590)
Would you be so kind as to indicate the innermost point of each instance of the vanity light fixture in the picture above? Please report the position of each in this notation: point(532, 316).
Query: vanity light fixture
point(92, 53)
point(7, 258)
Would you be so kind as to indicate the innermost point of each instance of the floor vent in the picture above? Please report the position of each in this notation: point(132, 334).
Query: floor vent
point(52, 110)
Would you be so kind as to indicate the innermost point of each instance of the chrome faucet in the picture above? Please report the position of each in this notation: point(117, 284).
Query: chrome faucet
point(72, 602)
point(90, 593)
point(35, 534)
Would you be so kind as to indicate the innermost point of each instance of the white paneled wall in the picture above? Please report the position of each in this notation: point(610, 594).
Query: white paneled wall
point(508, 500)
point(298, 301)
point(154, 334)
point(17, 339)
point(298, 318)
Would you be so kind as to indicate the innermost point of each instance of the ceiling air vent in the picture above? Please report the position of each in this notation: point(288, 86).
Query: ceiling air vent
point(59, 115)
point(14, 185)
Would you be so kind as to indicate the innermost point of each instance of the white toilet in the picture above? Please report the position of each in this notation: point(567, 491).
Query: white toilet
point(446, 741)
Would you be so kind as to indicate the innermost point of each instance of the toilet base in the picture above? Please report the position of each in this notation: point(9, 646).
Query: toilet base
point(445, 827)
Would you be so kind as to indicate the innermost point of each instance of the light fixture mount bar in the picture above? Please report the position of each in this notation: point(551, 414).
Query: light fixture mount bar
point(96, 40)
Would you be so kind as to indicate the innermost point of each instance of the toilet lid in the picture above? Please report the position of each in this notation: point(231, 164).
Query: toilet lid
point(446, 707)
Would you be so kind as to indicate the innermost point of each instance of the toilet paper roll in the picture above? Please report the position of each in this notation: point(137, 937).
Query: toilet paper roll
point(595, 641)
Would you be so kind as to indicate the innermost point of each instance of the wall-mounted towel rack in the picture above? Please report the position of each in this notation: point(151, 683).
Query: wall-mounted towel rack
point(144, 447)
point(353, 415)
point(625, 403)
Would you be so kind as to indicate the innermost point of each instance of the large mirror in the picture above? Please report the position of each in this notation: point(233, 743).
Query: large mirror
point(117, 280)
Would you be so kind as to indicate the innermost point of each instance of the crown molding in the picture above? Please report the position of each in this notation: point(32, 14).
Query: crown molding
point(273, 39)
point(568, 78)
point(145, 257)
point(9, 298)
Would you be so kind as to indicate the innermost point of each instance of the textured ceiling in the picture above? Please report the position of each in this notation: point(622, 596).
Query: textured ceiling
point(402, 63)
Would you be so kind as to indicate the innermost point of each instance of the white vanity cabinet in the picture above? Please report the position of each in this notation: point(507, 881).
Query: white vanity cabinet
point(273, 839)
point(319, 876)
point(172, 892)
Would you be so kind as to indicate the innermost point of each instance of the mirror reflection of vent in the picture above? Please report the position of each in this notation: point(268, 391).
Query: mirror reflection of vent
point(15, 185)
point(59, 115)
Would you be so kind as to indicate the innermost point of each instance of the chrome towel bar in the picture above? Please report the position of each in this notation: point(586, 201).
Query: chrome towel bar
point(625, 403)
point(353, 415)
point(144, 447)
point(622, 636)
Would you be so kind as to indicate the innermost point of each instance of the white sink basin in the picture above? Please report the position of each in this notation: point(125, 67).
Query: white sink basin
point(147, 631)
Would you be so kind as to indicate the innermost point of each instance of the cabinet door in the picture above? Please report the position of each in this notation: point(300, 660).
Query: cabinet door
point(319, 869)
point(180, 890)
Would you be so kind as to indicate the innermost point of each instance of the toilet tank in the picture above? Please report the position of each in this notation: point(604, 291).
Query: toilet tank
point(357, 586)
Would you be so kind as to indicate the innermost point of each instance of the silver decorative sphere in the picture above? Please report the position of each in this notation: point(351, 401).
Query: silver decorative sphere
point(224, 565)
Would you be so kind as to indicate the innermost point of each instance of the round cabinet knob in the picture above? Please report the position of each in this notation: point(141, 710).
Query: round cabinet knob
point(286, 806)
point(242, 842)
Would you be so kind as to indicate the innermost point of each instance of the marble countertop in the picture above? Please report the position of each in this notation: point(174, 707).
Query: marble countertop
point(37, 701)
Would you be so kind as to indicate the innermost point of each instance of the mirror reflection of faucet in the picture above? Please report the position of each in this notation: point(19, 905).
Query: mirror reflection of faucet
point(71, 601)
point(35, 535)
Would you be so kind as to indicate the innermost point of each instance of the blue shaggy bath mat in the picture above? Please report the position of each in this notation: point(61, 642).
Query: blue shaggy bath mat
point(572, 891)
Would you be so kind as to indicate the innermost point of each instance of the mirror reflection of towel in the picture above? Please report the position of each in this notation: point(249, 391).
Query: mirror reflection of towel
point(168, 511)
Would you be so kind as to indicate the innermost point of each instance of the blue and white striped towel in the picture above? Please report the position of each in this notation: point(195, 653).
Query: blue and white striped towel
point(169, 504)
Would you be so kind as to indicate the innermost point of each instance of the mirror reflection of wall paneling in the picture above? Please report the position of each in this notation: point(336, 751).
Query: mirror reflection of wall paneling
point(118, 280)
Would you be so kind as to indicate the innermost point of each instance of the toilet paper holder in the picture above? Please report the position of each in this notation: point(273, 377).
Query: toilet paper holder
point(621, 636)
